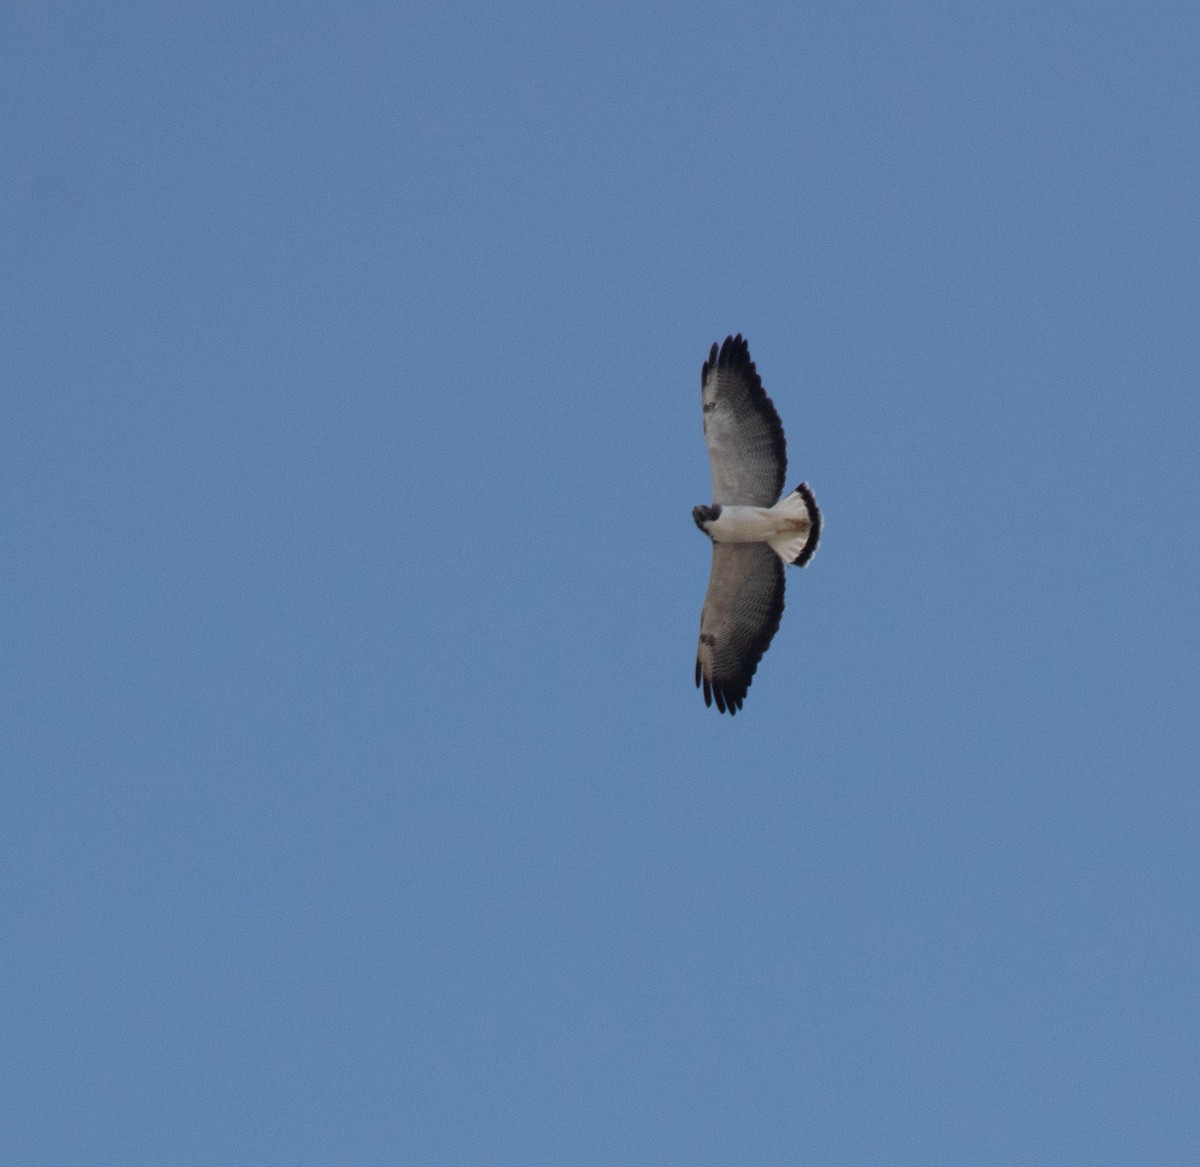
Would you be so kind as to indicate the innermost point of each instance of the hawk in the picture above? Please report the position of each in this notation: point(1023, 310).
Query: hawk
point(754, 532)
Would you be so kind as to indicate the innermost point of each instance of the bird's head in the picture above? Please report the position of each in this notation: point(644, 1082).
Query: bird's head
point(704, 515)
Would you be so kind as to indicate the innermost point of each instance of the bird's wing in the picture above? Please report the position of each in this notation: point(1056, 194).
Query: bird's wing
point(745, 438)
point(741, 615)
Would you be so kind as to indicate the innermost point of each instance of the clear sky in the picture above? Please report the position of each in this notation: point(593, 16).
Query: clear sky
point(358, 805)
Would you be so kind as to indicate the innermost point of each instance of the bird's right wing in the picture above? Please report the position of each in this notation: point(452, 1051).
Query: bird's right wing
point(741, 615)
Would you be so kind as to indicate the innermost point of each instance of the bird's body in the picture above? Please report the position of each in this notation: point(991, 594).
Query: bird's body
point(785, 526)
point(753, 534)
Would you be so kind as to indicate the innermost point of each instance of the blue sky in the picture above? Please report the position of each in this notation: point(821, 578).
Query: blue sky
point(359, 805)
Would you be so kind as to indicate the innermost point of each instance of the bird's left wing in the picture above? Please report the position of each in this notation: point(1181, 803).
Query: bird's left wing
point(741, 428)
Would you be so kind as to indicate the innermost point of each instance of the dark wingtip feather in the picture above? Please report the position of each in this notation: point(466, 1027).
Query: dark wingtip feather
point(734, 351)
point(727, 700)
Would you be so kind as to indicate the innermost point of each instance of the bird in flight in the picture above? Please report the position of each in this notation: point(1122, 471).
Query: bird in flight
point(754, 532)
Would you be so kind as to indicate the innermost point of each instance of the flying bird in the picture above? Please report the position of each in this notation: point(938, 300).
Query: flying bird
point(754, 532)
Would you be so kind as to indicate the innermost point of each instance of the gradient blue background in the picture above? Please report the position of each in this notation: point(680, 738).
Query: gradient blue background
point(357, 803)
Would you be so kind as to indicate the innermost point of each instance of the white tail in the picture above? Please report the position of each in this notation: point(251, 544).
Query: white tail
point(797, 541)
